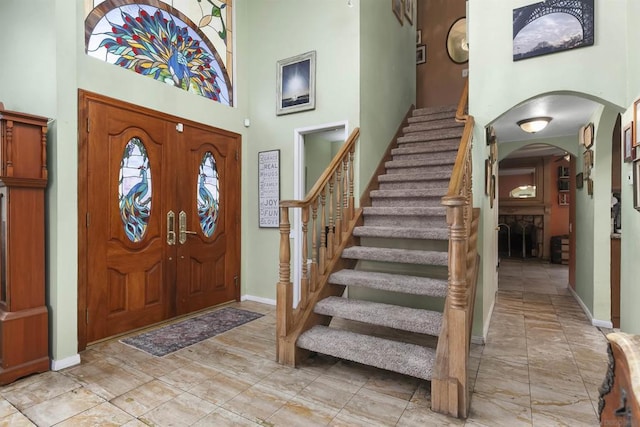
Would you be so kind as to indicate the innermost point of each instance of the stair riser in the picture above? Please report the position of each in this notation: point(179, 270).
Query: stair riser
point(405, 221)
point(448, 109)
point(413, 244)
point(425, 119)
point(433, 156)
point(425, 149)
point(440, 169)
point(434, 135)
point(413, 185)
point(431, 125)
point(409, 202)
point(434, 271)
point(439, 143)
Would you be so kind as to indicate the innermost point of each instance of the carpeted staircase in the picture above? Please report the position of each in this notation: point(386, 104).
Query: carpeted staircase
point(403, 249)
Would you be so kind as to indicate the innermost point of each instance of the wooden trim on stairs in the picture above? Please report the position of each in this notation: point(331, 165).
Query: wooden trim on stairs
point(374, 184)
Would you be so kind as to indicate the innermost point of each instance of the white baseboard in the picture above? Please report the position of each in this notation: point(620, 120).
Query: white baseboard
point(475, 339)
point(258, 299)
point(481, 340)
point(57, 365)
point(594, 322)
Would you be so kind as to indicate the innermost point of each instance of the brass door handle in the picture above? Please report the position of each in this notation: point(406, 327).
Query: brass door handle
point(171, 230)
point(182, 219)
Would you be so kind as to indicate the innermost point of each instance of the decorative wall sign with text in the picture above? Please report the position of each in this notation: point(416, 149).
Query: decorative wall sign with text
point(269, 188)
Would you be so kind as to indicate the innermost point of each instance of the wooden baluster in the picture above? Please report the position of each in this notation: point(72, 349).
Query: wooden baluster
point(284, 291)
point(330, 232)
point(9, 148)
point(345, 193)
point(314, 246)
point(304, 277)
point(43, 153)
point(351, 199)
point(323, 232)
point(338, 229)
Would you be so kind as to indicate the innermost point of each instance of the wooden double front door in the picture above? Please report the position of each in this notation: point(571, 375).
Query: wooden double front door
point(160, 217)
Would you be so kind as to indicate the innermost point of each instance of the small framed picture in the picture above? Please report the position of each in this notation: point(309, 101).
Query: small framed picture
point(421, 54)
point(579, 180)
point(487, 177)
point(398, 9)
point(636, 184)
point(408, 10)
point(296, 84)
point(627, 143)
point(563, 199)
point(418, 37)
point(636, 137)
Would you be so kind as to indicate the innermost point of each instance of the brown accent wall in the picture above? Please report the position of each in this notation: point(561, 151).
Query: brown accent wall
point(439, 80)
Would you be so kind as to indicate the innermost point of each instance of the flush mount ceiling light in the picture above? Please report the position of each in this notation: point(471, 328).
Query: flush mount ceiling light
point(534, 124)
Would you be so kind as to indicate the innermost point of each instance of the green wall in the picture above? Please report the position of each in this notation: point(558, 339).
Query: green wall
point(497, 84)
point(387, 81)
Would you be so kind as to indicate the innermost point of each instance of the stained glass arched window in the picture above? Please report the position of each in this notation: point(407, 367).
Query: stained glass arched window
point(135, 189)
point(208, 194)
point(155, 39)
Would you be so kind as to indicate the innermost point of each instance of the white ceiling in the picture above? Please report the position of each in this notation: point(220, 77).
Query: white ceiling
point(568, 112)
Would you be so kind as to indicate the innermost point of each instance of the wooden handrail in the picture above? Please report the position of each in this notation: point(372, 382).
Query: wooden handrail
point(324, 178)
point(450, 383)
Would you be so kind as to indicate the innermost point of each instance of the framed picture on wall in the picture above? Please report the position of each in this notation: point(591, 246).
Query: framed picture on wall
point(537, 30)
point(627, 142)
point(296, 84)
point(398, 9)
point(636, 184)
point(408, 10)
point(636, 136)
point(421, 54)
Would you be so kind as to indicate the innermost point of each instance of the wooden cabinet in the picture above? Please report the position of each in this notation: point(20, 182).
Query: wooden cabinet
point(24, 342)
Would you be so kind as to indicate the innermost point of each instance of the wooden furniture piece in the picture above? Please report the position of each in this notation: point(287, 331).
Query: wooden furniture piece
point(620, 391)
point(24, 342)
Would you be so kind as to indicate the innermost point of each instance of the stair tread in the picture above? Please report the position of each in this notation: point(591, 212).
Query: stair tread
point(412, 163)
point(427, 149)
point(432, 233)
point(441, 123)
point(405, 211)
point(424, 192)
point(388, 315)
point(404, 358)
point(432, 135)
point(414, 285)
point(425, 176)
point(405, 256)
point(451, 109)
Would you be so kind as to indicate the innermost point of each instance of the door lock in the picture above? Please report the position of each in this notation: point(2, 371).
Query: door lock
point(182, 219)
point(171, 228)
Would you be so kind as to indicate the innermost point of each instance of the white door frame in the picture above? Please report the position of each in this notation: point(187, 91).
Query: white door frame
point(298, 192)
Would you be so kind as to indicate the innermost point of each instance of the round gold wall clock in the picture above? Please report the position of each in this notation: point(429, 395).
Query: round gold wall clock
point(457, 46)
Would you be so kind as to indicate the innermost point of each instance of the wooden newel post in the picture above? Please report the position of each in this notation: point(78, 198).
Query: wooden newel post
point(284, 291)
point(458, 310)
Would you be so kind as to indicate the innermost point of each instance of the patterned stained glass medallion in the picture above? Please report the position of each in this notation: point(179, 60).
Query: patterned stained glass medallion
point(151, 41)
point(134, 189)
point(208, 194)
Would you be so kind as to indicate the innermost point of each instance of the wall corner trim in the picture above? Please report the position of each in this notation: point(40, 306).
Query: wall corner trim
point(594, 322)
point(57, 365)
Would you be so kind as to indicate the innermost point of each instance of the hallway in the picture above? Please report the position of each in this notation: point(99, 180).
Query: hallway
point(542, 365)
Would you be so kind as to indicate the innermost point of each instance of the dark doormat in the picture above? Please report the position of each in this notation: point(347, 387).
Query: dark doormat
point(174, 337)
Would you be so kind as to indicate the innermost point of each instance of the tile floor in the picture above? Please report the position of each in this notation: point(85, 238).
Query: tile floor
point(541, 365)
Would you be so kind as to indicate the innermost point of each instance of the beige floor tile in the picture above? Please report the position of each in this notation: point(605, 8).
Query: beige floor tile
point(16, 419)
point(503, 368)
point(62, 407)
point(221, 388)
point(40, 391)
point(504, 389)
point(183, 410)
point(289, 380)
point(189, 375)
point(258, 403)
point(419, 417)
point(6, 408)
point(222, 418)
point(490, 412)
point(393, 384)
point(375, 407)
point(301, 412)
point(578, 413)
point(330, 391)
point(103, 415)
point(108, 377)
point(146, 397)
